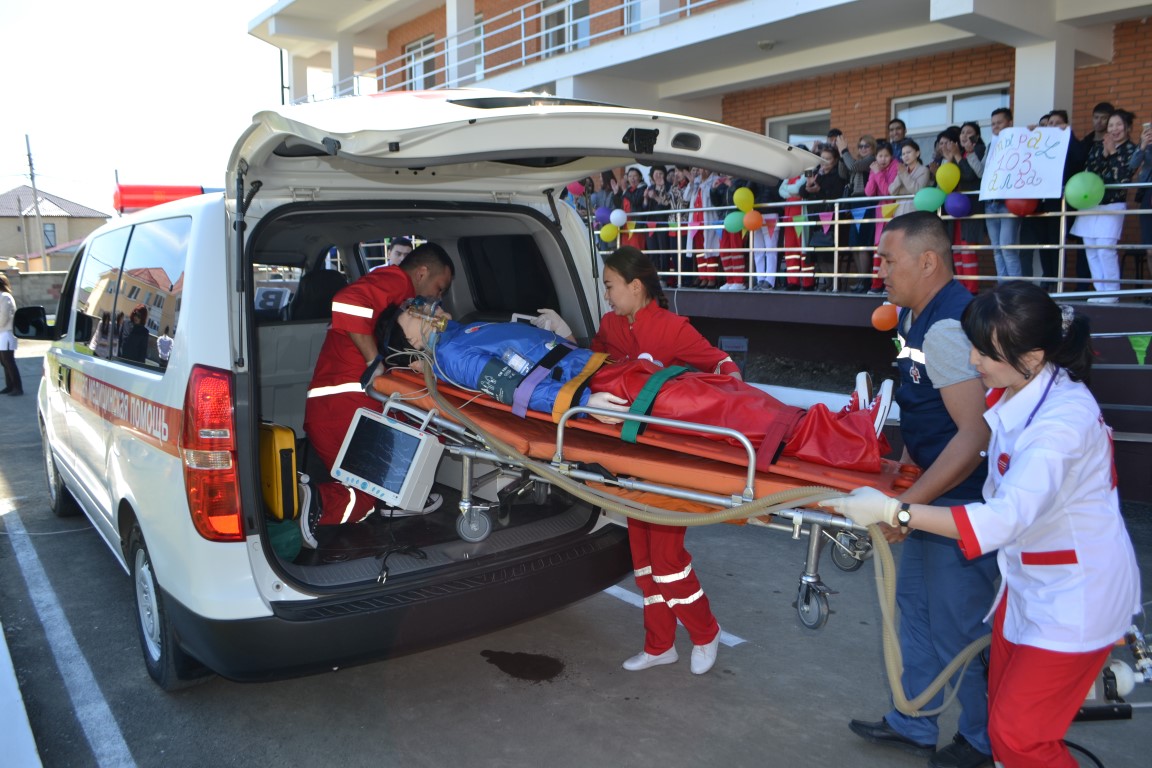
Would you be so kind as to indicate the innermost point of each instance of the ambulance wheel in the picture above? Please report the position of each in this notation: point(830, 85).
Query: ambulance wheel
point(850, 551)
point(60, 499)
point(812, 607)
point(168, 665)
point(474, 526)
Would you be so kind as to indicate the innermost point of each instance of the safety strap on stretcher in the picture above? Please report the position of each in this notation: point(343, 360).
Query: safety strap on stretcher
point(570, 392)
point(643, 402)
point(523, 394)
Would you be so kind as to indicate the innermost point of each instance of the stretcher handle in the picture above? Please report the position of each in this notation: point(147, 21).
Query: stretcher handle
point(659, 421)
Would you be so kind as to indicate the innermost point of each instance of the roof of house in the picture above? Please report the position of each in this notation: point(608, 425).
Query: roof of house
point(19, 202)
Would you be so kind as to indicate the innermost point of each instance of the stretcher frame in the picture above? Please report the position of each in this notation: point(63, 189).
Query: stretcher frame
point(403, 392)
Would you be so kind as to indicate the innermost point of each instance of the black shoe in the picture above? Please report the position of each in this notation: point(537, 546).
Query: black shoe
point(882, 733)
point(5, 391)
point(959, 754)
point(15, 392)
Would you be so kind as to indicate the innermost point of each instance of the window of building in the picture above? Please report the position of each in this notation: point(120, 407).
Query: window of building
point(49, 235)
point(802, 130)
point(928, 114)
point(422, 63)
point(566, 26)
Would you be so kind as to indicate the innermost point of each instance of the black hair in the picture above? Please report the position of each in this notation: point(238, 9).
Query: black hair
point(830, 148)
point(928, 229)
point(428, 255)
point(834, 132)
point(910, 143)
point(884, 144)
point(952, 133)
point(898, 120)
point(399, 241)
point(1017, 317)
point(5, 287)
point(1061, 113)
point(391, 341)
point(1124, 115)
point(975, 126)
point(1002, 111)
point(633, 264)
point(1105, 107)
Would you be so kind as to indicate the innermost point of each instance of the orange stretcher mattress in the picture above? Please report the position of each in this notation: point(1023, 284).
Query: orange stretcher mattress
point(680, 461)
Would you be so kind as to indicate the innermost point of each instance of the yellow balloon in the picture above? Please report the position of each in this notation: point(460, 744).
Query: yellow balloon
point(947, 176)
point(744, 199)
point(609, 232)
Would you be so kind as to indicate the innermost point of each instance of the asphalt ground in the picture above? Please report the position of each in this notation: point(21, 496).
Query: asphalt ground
point(545, 692)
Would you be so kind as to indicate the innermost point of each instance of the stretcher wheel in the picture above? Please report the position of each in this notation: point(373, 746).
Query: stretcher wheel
point(474, 526)
point(812, 607)
point(850, 550)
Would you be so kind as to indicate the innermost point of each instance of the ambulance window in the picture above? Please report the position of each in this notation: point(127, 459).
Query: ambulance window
point(96, 292)
point(150, 288)
point(507, 274)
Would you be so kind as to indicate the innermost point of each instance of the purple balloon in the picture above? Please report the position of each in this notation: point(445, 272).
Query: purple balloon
point(958, 204)
point(603, 215)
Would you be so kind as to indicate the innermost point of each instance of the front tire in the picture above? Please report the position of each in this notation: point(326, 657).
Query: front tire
point(60, 499)
point(166, 662)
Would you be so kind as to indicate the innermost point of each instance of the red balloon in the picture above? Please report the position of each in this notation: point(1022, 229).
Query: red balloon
point(1022, 207)
point(884, 317)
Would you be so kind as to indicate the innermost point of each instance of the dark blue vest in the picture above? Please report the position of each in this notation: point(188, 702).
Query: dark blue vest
point(924, 421)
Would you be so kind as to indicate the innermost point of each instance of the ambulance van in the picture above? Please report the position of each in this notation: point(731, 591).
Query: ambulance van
point(186, 336)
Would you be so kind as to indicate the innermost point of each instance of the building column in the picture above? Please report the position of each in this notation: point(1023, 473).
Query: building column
point(1045, 74)
point(343, 67)
point(460, 43)
point(297, 79)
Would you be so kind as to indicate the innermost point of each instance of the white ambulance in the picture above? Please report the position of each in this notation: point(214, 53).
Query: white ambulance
point(159, 443)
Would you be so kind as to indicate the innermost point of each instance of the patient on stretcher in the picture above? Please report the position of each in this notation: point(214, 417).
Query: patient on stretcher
point(533, 369)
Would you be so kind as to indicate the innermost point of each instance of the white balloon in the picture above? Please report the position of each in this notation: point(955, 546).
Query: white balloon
point(619, 217)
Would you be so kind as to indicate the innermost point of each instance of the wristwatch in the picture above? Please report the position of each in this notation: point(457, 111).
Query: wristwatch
point(904, 516)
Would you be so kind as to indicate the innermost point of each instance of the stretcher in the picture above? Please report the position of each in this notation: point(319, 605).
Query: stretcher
point(705, 478)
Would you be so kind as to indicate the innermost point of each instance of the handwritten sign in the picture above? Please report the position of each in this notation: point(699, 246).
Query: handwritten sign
point(1025, 164)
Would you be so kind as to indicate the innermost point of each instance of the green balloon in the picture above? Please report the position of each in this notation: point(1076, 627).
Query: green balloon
point(734, 222)
point(929, 199)
point(1084, 190)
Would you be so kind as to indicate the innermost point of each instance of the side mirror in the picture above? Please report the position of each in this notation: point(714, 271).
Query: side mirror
point(32, 323)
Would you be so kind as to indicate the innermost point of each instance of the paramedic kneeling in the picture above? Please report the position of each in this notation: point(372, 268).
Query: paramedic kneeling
point(335, 392)
point(1070, 583)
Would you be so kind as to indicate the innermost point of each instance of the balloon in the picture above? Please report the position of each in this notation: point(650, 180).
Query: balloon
point(929, 199)
point(618, 217)
point(947, 176)
point(884, 317)
point(734, 222)
point(609, 232)
point(576, 189)
point(744, 199)
point(753, 220)
point(1084, 190)
point(603, 215)
point(1022, 207)
point(958, 204)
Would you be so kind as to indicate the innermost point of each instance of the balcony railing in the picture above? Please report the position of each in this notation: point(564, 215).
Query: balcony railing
point(525, 35)
point(795, 263)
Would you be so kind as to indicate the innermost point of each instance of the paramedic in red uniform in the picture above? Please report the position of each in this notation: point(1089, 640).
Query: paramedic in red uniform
point(1069, 581)
point(335, 392)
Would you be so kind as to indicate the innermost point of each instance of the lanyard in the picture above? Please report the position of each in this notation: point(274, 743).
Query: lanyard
point(1043, 397)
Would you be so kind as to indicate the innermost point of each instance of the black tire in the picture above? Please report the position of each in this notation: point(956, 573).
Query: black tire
point(167, 663)
point(60, 499)
point(848, 554)
point(812, 607)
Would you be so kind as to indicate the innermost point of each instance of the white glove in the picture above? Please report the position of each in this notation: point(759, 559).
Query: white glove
point(608, 402)
point(866, 506)
point(548, 320)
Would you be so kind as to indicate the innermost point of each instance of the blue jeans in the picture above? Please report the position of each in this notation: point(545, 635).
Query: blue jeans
point(1002, 232)
point(943, 598)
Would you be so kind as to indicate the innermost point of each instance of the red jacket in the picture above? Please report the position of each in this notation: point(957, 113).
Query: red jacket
point(669, 338)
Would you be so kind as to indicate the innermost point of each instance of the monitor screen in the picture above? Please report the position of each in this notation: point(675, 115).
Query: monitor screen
point(380, 453)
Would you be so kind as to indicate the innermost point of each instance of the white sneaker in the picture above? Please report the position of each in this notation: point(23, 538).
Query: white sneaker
point(861, 396)
point(726, 287)
point(881, 405)
point(737, 287)
point(644, 660)
point(704, 656)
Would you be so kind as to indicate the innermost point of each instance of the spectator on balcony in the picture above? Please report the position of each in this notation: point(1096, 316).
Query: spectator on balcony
point(823, 184)
point(945, 150)
point(677, 190)
point(703, 238)
point(630, 198)
point(971, 230)
point(1045, 230)
point(1003, 227)
point(861, 235)
point(897, 135)
point(1142, 160)
point(881, 174)
point(658, 200)
point(732, 252)
point(1110, 159)
point(1100, 114)
point(911, 176)
point(763, 241)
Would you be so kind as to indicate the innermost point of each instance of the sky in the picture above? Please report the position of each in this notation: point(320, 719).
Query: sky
point(155, 90)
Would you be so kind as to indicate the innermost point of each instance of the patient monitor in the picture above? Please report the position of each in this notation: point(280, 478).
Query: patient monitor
point(392, 461)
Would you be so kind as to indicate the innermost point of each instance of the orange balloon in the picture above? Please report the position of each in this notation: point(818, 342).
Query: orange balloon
point(884, 317)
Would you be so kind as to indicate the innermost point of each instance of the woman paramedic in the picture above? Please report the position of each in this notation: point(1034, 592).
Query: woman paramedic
point(1069, 582)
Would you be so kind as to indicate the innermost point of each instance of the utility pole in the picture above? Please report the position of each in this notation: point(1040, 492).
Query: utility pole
point(36, 206)
point(23, 226)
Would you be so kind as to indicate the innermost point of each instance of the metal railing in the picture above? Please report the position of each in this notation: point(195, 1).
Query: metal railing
point(679, 264)
point(525, 35)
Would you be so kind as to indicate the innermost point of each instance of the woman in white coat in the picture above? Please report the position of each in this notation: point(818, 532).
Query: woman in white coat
point(12, 384)
point(1070, 583)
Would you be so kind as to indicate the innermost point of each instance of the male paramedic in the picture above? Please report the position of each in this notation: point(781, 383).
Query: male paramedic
point(336, 393)
point(941, 595)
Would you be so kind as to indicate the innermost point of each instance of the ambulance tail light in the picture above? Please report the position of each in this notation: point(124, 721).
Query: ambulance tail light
point(208, 447)
point(136, 197)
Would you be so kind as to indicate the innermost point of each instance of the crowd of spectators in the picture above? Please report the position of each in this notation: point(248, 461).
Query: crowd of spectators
point(677, 213)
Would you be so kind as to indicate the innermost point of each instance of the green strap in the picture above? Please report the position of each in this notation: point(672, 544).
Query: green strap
point(644, 400)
